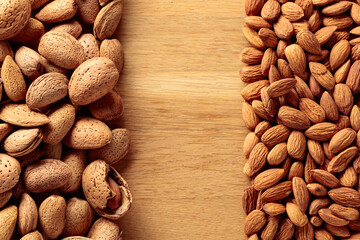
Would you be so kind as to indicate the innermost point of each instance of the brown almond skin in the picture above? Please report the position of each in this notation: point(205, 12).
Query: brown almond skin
point(47, 89)
point(71, 27)
point(29, 62)
point(112, 49)
point(15, 15)
point(9, 172)
point(31, 34)
point(52, 213)
point(79, 217)
point(108, 19)
point(76, 160)
point(108, 107)
point(61, 49)
point(46, 175)
point(88, 10)
point(92, 80)
point(13, 80)
point(104, 229)
point(88, 133)
point(28, 215)
point(90, 45)
point(57, 11)
point(116, 150)
point(61, 118)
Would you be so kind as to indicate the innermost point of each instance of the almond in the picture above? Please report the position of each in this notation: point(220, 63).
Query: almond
point(270, 104)
point(355, 118)
point(325, 178)
point(353, 79)
point(315, 20)
point(303, 89)
point(342, 140)
point(268, 37)
point(316, 151)
point(292, 11)
point(251, 73)
point(277, 154)
point(345, 196)
point(341, 161)
point(113, 50)
point(347, 213)
point(337, 8)
point(316, 58)
point(324, 34)
point(321, 131)
point(254, 222)
point(57, 11)
point(249, 199)
point(297, 58)
point(71, 27)
point(271, 228)
point(253, 38)
point(339, 21)
point(88, 10)
point(273, 209)
point(339, 53)
point(317, 189)
point(296, 145)
point(329, 106)
point(308, 41)
point(22, 115)
point(270, 10)
point(312, 110)
point(297, 217)
point(277, 192)
point(283, 28)
point(251, 55)
point(250, 118)
point(318, 204)
point(330, 218)
point(343, 98)
point(109, 18)
point(355, 13)
point(338, 231)
point(286, 230)
point(301, 193)
point(268, 60)
point(305, 233)
point(319, 232)
point(267, 178)
point(249, 143)
point(260, 110)
point(293, 118)
point(307, 7)
point(257, 22)
point(275, 135)
point(322, 75)
point(341, 74)
point(257, 158)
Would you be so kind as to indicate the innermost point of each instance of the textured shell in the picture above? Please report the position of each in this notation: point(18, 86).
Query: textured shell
point(28, 215)
point(5, 197)
point(92, 80)
point(9, 216)
point(108, 107)
point(5, 129)
point(13, 80)
point(62, 119)
point(14, 15)
point(71, 27)
point(97, 190)
point(5, 49)
point(31, 157)
point(105, 229)
point(47, 89)
point(79, 217)
point(46, 175)
point(116, 150)
point(33, 236)
point(22, 141)
point(22, 115)
point(29, 62)
point(9, 172)
point(108, 19)
point(76, 160)
point(31, 34)
point(90, 45)
point(49, 67)
point(61, 49)
point(88, 133)
point(52, 216)
point(112, 49)
point(57, 11)
point(88, 10)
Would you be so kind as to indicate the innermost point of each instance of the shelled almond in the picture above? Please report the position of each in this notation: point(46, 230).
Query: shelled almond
point(302, 106)
point(59, 65)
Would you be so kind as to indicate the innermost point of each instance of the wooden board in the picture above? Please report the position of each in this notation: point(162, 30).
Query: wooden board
point(181, 90)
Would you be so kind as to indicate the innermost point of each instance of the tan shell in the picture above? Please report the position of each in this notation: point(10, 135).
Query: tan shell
point(53, 151)
point(76, 160)
point(105, 229)
point(57, 11)
point(61, 49)
point(62, 119)
point(52, 216)
point(47, 89)
point(71, 27)
point(46, 175)
point(90, 45)
point(31, 157)
point(88, 10)
point(15, 14)
point(5, 49)
point(28, 215)
point(5, 129)
point(29, 62)
point(97, 190)
point(88, 133)
point(33, 236)
point(79, 217)
point(116, 150)
point(108, 19)
point(9, 172)
point(76, 238)
point(92, 80)
point(5, 197)
point(38, 3)
point(8, 215)
point(31, 34)
point(22, 141)
point(13, 80)
point(108, 107)
point(112, 49)
point(22, 115)
point(49, 67)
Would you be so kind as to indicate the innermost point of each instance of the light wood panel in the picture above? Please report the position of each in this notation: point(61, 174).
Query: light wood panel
point(183, 107)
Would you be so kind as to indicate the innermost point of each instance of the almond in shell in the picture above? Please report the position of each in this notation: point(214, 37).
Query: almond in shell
point(108, 19)
point(10, 172)
point(90, 45)
point(57, 11)
point(88, 10)
point(8, 215)
point(76, 160)
point(28, 215)
point(22, 141)
point(52, 217)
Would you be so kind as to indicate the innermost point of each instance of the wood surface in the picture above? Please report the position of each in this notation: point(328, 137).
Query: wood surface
point(181, 90)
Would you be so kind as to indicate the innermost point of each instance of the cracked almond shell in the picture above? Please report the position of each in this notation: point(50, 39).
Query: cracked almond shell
point(97, 190)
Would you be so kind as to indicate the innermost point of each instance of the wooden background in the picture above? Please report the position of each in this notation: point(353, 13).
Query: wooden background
point(181, 89)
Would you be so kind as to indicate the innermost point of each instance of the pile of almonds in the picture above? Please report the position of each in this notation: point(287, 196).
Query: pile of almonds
point(59, 67)
point(302, 105)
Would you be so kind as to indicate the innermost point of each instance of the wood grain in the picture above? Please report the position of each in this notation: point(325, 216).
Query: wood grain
point(181, 90)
